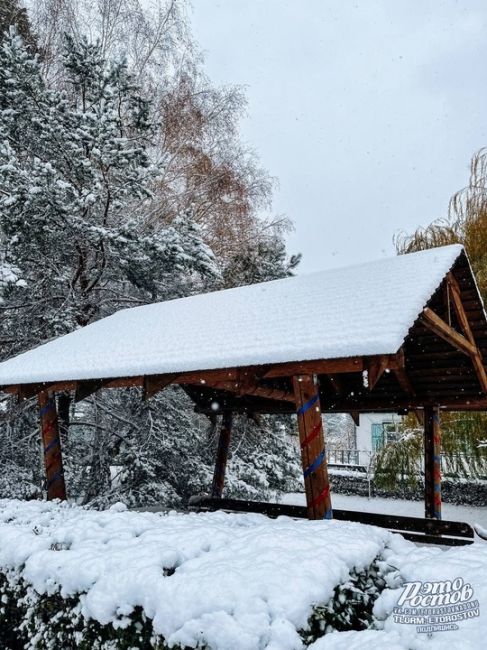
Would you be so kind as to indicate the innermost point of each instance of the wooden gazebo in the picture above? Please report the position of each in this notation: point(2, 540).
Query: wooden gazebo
point(400, 334)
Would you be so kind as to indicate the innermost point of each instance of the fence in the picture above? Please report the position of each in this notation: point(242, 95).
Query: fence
point(454, 465)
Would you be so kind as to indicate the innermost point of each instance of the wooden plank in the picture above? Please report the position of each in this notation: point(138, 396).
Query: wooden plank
point(313, 455)
point(355, 417)
point(51, 442)
point(476, 356)
point(419, 415)
point(432, 463)
point(438, 326)
point(401, 375)
point(205, 376)
point(86, 388)
point(376, 368)
point(336, 384)
point(153, 385)
point(222, 455)
point(268, 392)
point(124, 382)
point(426, 530)
point(404, 381)
point(26, 391)
point(246, 390)
point(319, 367)
point(30, 390)
point(331, 367)
point(440, 540)
point(456, 297)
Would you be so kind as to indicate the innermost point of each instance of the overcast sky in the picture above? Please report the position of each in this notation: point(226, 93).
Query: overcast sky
point(367, 112)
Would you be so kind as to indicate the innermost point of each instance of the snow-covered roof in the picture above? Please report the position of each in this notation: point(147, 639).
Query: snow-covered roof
point(364, 309)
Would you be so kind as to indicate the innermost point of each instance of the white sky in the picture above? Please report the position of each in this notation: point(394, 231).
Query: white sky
point(367, 111)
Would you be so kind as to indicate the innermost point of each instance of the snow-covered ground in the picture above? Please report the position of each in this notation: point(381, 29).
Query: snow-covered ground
point(233, 581)
point(469, 514)
point(240, 581)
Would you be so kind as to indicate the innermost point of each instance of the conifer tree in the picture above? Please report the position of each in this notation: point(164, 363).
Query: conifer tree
point(76, 176)
point(78, 167)
point(13, 14)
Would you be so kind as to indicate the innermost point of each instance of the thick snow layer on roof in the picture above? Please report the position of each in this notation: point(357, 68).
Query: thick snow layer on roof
point(358, 310)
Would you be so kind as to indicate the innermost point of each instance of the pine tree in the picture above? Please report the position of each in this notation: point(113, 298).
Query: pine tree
point(79, 240)
point(265, 259)
point(13, 14)
point(76, 177)
point(75, 195)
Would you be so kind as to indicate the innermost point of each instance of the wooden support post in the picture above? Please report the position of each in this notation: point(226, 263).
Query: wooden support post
point(313, 454)
point(432, 463)
point(222, 455)
point(56, 488)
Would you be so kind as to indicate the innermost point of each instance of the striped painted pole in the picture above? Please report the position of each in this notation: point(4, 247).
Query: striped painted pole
point(53, 462)
point(313, 455)
point(432, 463)
point(222, 455)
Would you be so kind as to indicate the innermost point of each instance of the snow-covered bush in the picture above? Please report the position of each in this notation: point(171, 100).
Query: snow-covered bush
point(17, 482)
point(47, 622)
point(77, 578)
point(351, 607)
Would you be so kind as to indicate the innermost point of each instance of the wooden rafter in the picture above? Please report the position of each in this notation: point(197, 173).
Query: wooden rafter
point(336, 384)
point(462, 318)
point(249, 375)
point(401, 374)
point(249, 390)
point(320, 367)
point(86, 388)
point(251, 382)
point(153, 385)
point(27, 391)
point(465, 344)
point(376, 368)
point(355, 415)
point(438, 326)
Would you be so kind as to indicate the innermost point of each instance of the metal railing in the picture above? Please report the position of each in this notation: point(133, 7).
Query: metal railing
point(454, 465)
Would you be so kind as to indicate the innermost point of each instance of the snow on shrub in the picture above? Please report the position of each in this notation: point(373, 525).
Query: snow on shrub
point(72, 577)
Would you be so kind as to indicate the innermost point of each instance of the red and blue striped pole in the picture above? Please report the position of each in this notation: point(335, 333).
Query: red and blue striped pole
point(53, 462)
point(432, 463)
point(313, 454)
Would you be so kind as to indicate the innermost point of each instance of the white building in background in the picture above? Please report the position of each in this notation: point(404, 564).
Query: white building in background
point(374, 431)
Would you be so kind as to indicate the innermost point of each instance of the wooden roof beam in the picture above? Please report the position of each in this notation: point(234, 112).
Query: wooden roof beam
point(153, 385)
point(376, 368)
point(401, 375)
point(247, 390)
point(355, 415)
point(438, 326)
point(462, 317)
point(85, 389)
point(26, 391)
point(320, 367)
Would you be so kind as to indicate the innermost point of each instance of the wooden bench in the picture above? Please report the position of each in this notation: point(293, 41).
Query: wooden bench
point(416, 529)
